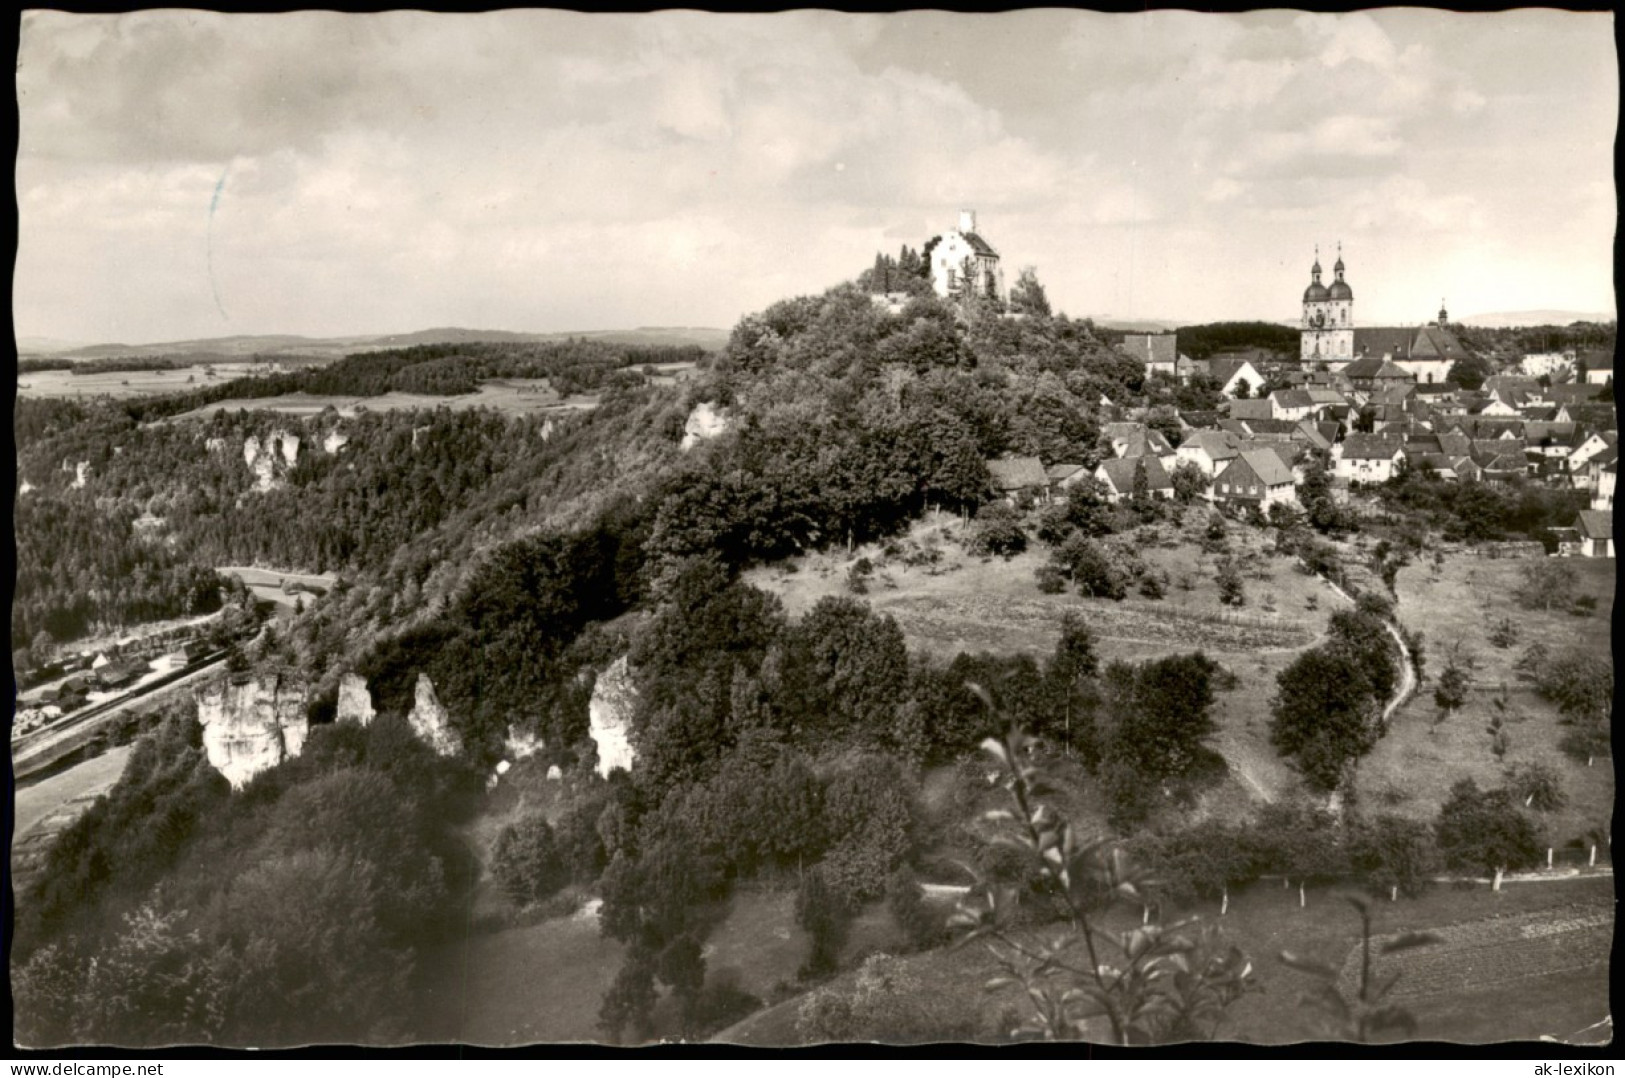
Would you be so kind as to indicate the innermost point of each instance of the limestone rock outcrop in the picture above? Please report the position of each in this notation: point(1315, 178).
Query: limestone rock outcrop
point(614, 699)
point(252, 722)
point(278, 451)
point(335, 441)
point(706, 421)
point(430, 722)
point(355, 702)
point(81, 472)
point(521, 745)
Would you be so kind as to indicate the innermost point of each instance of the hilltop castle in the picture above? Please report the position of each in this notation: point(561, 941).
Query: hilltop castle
point(960, 258)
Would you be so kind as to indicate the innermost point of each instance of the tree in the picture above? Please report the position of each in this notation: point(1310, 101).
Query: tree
point(1027, 295)
point(631, 997)
point(1393, 852)
point(1189, 481)
point(1451, 691)
point(1547, 583)
point(825, 916)
point(1483, 830)
point(1161, 712)
point(1091, 568)
point(527, 862)
point(1242, 389)
point(1324, 715)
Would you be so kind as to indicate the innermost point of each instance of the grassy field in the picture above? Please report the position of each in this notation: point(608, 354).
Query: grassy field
point(1412, 769)
point(961, 602)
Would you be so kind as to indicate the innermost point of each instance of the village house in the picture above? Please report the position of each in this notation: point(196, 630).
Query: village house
point(1258, 477)
point(1368, 458)
point(1594, 443)
point(1603, 498)
point(1016, 477)
point(1599, 372)
point(1294, 405)
point(1158, 351)
point(1209, 450)
point(1373, 373)
point(1551, 364)
point(1233, 372)
point(1136, 440)
point(1596, 528)
point(1249, 409)
point(1118, 475)
point(1065, 476)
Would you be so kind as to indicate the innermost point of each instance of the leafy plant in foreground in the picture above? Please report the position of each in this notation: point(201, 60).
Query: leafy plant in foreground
point(1153, 983)
point(1367, 1015)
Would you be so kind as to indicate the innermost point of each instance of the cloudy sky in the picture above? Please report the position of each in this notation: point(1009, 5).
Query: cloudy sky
point(186, 174)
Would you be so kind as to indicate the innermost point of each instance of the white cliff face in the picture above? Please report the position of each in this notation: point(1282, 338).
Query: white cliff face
point(521, 746)
point(614, 698)
point(706, 421)
point(430, 722)
point(215, 445)
point(25, 488)
point(289, 444)
point(355, 702)
point(335, 441)
point(252, 723)
point(547, 429)
point(251, 450)
point(81, 472)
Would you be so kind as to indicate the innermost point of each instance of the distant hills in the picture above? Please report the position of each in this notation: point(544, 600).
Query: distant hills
point(246, 347)
point(1510, 319)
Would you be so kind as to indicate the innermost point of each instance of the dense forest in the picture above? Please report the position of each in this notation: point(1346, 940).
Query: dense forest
point(1209, 339)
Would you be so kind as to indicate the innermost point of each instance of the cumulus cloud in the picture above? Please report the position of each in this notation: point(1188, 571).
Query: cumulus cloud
point(557, 170)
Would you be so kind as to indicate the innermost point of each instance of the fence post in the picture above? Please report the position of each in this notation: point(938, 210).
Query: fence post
point(1224, 900)
point(1593, 862)
point(1548, 858)
point(1496, 886)
point(1302, 901)
point(1393, 894)
point(1145, 915)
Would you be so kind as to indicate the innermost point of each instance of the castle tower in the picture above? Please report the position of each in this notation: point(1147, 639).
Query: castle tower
point(1328, 316)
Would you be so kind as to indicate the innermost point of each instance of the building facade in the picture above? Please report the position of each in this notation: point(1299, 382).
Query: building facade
point(961, 258)
point(1328, 316)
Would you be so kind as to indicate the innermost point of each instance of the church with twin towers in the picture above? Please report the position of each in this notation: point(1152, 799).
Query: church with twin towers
point(1330, 338)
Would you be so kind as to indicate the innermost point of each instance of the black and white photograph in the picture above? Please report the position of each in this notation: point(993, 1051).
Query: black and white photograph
point(543, 528)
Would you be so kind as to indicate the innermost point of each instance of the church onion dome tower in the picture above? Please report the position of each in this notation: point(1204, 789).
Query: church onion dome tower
point(1316, 292)
point(1340, 288)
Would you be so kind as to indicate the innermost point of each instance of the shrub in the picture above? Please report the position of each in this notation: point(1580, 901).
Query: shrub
point(1050, 580)
point(1230, 586)
point(857, 578)
point(1154, 585)
point(997, 530)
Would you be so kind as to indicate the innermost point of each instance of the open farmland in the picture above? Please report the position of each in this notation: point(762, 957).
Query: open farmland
point(516, 396)
point(125, 384)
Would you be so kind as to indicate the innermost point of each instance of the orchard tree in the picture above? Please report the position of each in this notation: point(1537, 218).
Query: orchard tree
point(1484, 831)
